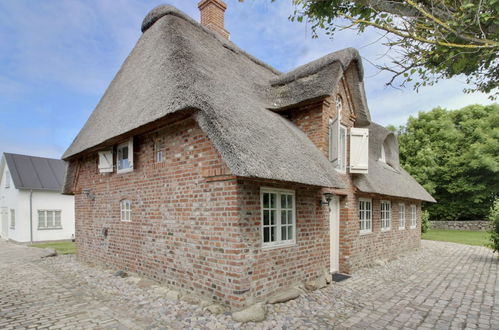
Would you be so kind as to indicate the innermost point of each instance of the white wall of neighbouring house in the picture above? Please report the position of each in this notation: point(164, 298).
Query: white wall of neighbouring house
point(18, 200)
point(50, 200)
point(9, 200)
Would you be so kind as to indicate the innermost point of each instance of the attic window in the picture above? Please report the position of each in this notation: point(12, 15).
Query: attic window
point(339, 103)
point(382, 157)
point(7, 179)
point(125, 157)
point(158, 152)
point(126, 210)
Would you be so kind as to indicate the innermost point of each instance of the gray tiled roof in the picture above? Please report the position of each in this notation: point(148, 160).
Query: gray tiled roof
point(29, 172)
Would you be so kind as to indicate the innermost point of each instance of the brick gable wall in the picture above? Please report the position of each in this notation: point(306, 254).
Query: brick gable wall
point(356, 251)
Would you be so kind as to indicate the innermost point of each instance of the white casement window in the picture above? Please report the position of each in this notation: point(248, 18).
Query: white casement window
point(401, 216)
point(359, 150)
point(414, 217)
point(158, 152)
point(126, 210)
point(12, 219)
point(106, 161)
point(365, 215)
point(125, 157)
point(386, 215)
point(278, 217)
point(49, 219)
point(338, 144)
point(7, 179)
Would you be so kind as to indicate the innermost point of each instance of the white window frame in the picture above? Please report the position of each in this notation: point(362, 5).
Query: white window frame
point(278, 243)
point(12, 219)
point(126, 210)
point(414, 216)
point(385, 215)
point(342, 150)
point(401, 216)
point(159, 155)
point(129, 145)
point(365, 216)
point(7, 179)
point(56, 223)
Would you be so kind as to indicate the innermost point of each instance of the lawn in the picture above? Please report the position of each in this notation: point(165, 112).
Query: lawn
point(457, 236)
point(60, 247)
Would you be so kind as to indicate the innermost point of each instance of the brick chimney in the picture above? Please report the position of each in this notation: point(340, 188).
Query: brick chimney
point(212, 16)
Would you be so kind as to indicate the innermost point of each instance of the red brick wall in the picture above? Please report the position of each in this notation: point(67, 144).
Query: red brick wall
point(272, 268)
point(184, 229)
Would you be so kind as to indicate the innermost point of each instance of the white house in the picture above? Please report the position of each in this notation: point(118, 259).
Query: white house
point(32, 208)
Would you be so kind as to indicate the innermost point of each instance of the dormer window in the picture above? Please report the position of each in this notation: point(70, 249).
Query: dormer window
point(338, 144)
point(382, 157)
point(7, 179)
point(339, 103)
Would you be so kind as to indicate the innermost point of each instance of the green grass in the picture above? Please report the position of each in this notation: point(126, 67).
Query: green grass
point(60, 247)
point(458, 236)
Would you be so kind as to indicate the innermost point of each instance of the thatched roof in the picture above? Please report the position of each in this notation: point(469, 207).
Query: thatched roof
point(388, 178)
point(177, 64)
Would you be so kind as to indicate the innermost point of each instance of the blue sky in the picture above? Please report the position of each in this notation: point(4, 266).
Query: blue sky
point(58, 56)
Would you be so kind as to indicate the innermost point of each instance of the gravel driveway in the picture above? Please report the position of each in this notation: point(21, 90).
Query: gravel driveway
point(442, 286)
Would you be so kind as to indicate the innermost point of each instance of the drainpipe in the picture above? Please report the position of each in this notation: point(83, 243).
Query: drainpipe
point(31, 216)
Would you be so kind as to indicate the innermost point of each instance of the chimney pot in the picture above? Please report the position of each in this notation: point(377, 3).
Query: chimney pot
point(212, 16)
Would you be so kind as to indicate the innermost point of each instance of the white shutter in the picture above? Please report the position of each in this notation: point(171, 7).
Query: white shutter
point(130, 152)
point(105, 161)
point(334, 140)
point(359, 150)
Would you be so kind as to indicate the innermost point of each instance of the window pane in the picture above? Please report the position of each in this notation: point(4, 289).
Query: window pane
point(273, 234)
point(273, 198)
point(272, 217)
point(266, 236)
point(284, 217)
point(266, 200)
point(290, 232)
point(290, 201)
point(50, 219)
point(41, 219)
point(266, 217)
point(284, 233)
point(284, 201)
point(290, 217)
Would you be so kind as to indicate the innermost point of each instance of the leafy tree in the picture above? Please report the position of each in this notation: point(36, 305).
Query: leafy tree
point(455, 156)
point(428, 39)
point(494, 230)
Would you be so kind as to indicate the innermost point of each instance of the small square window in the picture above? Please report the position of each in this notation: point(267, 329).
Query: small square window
point(126, 210)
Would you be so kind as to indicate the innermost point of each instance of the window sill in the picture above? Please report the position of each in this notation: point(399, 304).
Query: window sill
point(363, 233)
point(278, 245)
point(125, 220)
point(413, 227)
point(50, 228)
point(401, 228)
point(125, 170)
point(385, 229)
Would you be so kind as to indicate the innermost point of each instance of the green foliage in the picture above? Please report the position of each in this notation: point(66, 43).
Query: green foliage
point(60, 247)
point(431, 40)
point(425, 221)
point(494, 232)
point(479, 238)
point(455, 156)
